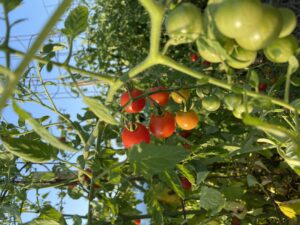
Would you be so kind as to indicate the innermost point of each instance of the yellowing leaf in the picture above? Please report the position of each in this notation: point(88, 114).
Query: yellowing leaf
point(290, 208)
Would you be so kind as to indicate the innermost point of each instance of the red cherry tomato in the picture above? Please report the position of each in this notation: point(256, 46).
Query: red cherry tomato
point(235, 221)
point(162, 126)
point(194, 57)
point(137, 222)
point(206, 63)
point(262, 86)
point(135, 137)
point(186, 185)
point(137, 105)
point(160, 98)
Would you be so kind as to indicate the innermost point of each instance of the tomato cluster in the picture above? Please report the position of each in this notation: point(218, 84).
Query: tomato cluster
point(162, 124)
point(233, 31)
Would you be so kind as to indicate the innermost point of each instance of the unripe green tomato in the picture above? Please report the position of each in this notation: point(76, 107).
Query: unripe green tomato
point(244, 58)
point(267, 30)
point(280, 50)
point(203, 91)
point(238, 18)
point(184, 22)
point(289, 21)
point(232, 100)
point(237, 112)
point(210, 27)
point(211, 103)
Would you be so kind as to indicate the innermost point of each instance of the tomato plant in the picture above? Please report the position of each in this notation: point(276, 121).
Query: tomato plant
point(137, 135)
point(162, 126)
point(160, 98)
point(187, 120)
point(137, 105)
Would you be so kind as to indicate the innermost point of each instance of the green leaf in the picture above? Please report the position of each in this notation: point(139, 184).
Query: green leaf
point(211, 199)
point(290, 156)
point(76, 22)
point(100, 110)
point(149, 159)
point(290, 208)
point(29, 150)
point(42, 176)
point(201, 176)
point(253, 78)
point(11, 4)
point(251, 180)
point(40, 130)
point(186, 173)
point(49, 216)
point(171, 178)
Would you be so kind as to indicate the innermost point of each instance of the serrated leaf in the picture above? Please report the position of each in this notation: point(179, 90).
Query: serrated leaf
point(290, 208)
point(149, 159)
point(186, 173)
point(40, 130)
point(29, 150)
point(76, 22)
point(211, 199)
point(100, 110)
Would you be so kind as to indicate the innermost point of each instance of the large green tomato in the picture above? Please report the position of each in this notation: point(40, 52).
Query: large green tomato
point(210, 29)
point(238, 18)
point(280, 50)
point(289, 21)
point(266, 32)
point(184, 22)
point(244, 58)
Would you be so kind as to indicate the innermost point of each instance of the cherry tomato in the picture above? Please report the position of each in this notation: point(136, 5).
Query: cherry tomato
point(162, 126)
point(138, 135)
point(244, 58)
point(194, 57)
point(187, 120)
point(289, 21)
point(180, 96)
point(184, 22)
point(186, 185)
point(238, 18)
point(211, 103)
point(137, 105)
point(160, 98)
point(232, 101)
point(137, 222)
point(280, 50)
point(262, 86)
point(266, 32)
point(235, 221)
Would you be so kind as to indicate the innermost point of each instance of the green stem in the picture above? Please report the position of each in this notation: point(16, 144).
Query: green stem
point(102, 78)
point(287, 87)
point(13, 80)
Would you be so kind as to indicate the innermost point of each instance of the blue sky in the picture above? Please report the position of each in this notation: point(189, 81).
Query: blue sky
point(36, 13)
